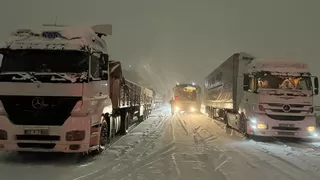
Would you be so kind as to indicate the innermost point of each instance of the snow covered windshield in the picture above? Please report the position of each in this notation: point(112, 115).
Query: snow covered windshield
point(44, 61)
point(281, 82)
point(185, 93)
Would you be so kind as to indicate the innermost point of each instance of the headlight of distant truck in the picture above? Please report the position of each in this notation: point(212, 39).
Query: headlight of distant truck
point(192, 109)
point(311, 128)
point(177, 108)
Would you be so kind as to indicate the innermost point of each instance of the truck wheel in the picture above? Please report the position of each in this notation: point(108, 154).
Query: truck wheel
point(243, 125)
point(104, 139)
point(124, 123)
point(225, 119)
point(140, 118)
point(145, 115)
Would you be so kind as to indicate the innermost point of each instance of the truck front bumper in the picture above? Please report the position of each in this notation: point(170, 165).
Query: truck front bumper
point(55, 141)
point(262, 125)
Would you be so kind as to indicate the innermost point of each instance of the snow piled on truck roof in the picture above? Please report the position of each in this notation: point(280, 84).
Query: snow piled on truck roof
point(281, 65)
point(55, 38)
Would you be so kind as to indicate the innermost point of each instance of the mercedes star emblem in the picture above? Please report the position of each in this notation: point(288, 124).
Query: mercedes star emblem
point(286, 108)
point(37, 103)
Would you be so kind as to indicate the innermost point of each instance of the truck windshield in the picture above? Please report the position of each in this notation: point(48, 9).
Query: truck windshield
point(44, 61)
point(185, 93)
point(281, 82)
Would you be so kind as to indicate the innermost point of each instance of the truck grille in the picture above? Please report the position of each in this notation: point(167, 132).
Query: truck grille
point(287, 128)
point(282, 111)
point(295, 113)
point(38, 110)
point(38, 137)
point(286, 118)
point(37, 145)
point(277, 105)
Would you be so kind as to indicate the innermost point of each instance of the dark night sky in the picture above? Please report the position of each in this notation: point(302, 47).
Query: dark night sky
point(183, 40)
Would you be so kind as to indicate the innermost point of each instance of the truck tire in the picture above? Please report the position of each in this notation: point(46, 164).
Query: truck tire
point(225, 119)
point(124, 123)
point(140, 118)
point(243, 124)
point(145, 115)
point(104, 138)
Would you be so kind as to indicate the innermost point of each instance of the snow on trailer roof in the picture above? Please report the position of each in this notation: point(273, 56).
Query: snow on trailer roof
point(60, 38)
point(282, 66)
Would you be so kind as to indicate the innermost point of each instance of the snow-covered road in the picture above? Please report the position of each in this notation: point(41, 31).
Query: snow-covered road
point(181, 147)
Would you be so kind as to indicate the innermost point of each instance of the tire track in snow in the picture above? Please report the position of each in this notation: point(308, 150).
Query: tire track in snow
point(310, 174)
point(143, 158)
point(194, 125)
point(222, 126)
point(293, 151)
point(149, 159)
point(116, 162)
point(261, 166)
point(183, 125)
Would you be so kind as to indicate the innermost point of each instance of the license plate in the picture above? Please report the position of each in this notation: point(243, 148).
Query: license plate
point(286, 133)
point(286, 125)
point(36, 131)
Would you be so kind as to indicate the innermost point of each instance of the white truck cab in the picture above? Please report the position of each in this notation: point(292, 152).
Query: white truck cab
point(56, 88)
point(278, 99)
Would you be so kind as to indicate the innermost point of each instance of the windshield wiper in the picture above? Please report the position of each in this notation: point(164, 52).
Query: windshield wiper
point(23, 76)
point(56, 76)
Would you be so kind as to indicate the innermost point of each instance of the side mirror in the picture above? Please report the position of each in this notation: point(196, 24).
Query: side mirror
point(316, 86)
point(246, 82)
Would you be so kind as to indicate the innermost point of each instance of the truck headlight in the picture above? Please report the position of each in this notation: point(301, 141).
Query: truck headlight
point(192, 109)
point(75, 135)
point(177, 108)
point(311, 128)
point(262, 126)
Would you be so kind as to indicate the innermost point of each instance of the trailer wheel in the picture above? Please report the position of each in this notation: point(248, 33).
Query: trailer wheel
point(145, 116)
point(124, 123)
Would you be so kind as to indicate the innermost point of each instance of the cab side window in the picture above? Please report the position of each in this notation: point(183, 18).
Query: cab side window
point(252, 85)
point(95, 66)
